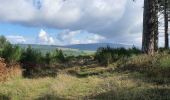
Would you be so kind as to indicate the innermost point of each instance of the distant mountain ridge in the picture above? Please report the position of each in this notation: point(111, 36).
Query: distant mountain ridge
point(95, 46)
point(86, 47)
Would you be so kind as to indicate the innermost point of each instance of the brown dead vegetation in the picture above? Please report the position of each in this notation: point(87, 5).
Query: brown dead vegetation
point(8, 71)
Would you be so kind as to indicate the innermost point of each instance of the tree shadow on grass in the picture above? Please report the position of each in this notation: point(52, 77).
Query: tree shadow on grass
point(146, 73)
point(40, 72)
point(157, 80)
point(86, 72)
point(144, 94)
point(50, 97)
point(4, 97)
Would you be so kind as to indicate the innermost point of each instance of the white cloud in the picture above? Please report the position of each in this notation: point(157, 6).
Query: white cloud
point(44, 38)
point(51, 40)
point(89, 15)
point(78, 37)
point(21, 11)
point(16, 39)
point(67, 35)
point(111, 19)
point(94, 38)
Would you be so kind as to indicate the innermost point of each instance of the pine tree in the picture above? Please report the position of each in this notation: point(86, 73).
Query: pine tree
point(150, 27)
point(166, 24)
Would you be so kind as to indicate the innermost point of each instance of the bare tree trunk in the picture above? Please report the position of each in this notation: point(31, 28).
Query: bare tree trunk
point(150, 27)
point(166, 24)
point(156, 34)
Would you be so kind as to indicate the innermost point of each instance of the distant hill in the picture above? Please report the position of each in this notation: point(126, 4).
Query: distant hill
point(48, 48)
point(95, 46)
point(77, 49)
point(89, 47)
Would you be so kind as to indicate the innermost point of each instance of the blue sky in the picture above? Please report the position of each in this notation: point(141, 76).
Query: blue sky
point(64, 22)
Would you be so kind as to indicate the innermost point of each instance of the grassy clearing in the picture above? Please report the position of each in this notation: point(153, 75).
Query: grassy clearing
point(139, 77)
point(66, 87)
point(21, 89)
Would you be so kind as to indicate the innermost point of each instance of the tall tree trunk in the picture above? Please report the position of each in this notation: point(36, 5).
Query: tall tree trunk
point(150, 27)
point(166, 24)
point(156, 34)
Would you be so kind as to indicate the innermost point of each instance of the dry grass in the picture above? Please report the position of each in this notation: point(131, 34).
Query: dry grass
point(129, 83)
point(67, 87)
point(3, 71)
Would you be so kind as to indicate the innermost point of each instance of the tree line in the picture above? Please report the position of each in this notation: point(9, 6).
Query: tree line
point(32, 60)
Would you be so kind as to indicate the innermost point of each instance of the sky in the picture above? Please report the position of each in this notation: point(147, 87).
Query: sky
point(65, 22)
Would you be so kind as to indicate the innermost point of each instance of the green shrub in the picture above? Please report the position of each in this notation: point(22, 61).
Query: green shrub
point(165, 62)
point(3, 43)
point(58, 56)
point(107, 55)
point(48, 58)
point(31, 59)
point(38, 65)
point(12, 53)
point(134, 51)
point(31, 56)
